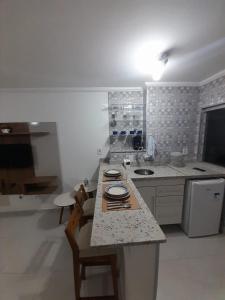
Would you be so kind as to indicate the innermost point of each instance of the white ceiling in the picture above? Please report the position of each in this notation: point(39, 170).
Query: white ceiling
point(75, 43)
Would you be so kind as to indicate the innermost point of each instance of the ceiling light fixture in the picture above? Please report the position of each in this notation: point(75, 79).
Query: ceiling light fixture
point(158, 66)
point(151, 60)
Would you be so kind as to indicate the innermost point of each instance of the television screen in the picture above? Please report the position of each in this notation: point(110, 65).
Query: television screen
point(15, 156)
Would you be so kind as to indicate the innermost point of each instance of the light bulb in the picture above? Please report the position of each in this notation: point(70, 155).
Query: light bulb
point(157, 69)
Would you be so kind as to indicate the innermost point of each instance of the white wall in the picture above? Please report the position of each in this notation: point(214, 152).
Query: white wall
point(82, 125)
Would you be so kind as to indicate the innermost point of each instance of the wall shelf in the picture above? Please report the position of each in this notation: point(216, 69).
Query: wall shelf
point(129, 151)
point(40, 133)
point(30, 186)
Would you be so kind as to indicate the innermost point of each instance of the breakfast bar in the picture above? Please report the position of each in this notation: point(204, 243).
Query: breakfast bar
point(136, 235)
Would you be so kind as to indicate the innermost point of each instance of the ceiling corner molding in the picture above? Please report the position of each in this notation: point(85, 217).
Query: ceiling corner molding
point(111, 89)
point(124, 89)
point(69, 89)
point(212, 78)
point(172, 84)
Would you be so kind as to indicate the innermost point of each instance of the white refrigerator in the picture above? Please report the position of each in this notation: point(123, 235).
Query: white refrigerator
point(202, 207)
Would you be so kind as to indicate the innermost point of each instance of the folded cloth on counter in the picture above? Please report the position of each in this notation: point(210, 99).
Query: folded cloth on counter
point(151, 147)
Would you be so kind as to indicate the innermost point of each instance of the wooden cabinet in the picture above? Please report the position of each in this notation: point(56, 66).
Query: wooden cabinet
point(164, 198)
point(22, 179)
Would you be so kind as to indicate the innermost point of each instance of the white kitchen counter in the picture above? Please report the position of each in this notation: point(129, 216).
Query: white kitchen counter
point(159, 172)
point(140, 226)
point(211, 170)
point(126, 226)
point(136, 233)
point(187, 172)
point(137, 236)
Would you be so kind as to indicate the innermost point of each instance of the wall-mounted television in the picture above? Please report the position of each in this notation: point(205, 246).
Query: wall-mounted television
point(16, 156)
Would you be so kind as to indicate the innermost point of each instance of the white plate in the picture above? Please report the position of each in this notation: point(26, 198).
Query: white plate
point(116, 191)
point(112, 172)
point(111, 199)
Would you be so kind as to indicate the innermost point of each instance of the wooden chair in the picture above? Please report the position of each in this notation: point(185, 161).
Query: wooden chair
point(87, 204)
point(86, 256)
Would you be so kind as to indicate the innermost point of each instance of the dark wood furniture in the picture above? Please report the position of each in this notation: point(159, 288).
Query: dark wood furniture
point(23, 180)
point(86, 256)
point(19, 134)
point(35, 185)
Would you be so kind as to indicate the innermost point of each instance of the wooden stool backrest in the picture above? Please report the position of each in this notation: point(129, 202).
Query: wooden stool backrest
point(71, 230)
point(81, 196)
point(72, 227)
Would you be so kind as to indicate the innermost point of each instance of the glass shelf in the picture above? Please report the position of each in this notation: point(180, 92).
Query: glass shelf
point(128, 151)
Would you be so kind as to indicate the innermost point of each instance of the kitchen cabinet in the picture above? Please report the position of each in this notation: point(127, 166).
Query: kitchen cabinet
point(164, 198)
point(148, 194)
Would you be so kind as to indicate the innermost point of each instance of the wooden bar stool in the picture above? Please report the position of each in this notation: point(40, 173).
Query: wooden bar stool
point(87, 204)
point(90, 188)
point(86, 256)
point(64, 200)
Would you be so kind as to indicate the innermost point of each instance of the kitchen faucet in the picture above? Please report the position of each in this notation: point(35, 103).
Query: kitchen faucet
point(137, 157)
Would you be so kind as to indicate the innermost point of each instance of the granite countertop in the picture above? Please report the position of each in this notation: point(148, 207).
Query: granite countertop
point(211, 170)
point(187, 172)
point(159, 172)
point(140, 226)
point(124, 227)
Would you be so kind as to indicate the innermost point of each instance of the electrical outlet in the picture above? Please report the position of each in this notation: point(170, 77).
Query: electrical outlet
point(99, 151)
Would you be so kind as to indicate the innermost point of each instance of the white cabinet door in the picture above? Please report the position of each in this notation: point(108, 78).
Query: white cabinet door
point(168, 214)
point(170, 190)
point(148, 194)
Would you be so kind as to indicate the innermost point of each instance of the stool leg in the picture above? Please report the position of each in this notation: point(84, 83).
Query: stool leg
point(83, 272)
point(114, 277)
point(71, 209)
point(61, 214)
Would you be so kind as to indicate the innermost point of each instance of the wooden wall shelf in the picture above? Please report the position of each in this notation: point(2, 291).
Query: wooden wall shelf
point(41, 133)
point(30, 186)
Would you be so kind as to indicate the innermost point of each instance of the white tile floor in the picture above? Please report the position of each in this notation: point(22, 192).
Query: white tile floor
point(191, 268)
point(36, 263)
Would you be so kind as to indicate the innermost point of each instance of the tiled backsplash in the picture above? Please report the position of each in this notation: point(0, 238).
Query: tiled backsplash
point(126, 118)
point(171, 119)
point(173, 116)
point(212, 93)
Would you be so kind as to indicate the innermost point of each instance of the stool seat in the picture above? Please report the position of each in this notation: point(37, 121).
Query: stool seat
point(84, 241)
point(65, 199)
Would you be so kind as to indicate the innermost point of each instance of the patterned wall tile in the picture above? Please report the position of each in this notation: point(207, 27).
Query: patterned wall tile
point(126, 113)
point(171, 114)
point(212, 93)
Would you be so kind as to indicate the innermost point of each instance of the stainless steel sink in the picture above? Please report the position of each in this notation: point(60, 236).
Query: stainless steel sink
point(143, 172)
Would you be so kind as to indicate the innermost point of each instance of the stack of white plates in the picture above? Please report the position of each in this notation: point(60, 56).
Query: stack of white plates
point(116, 192)
point(112, 173)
